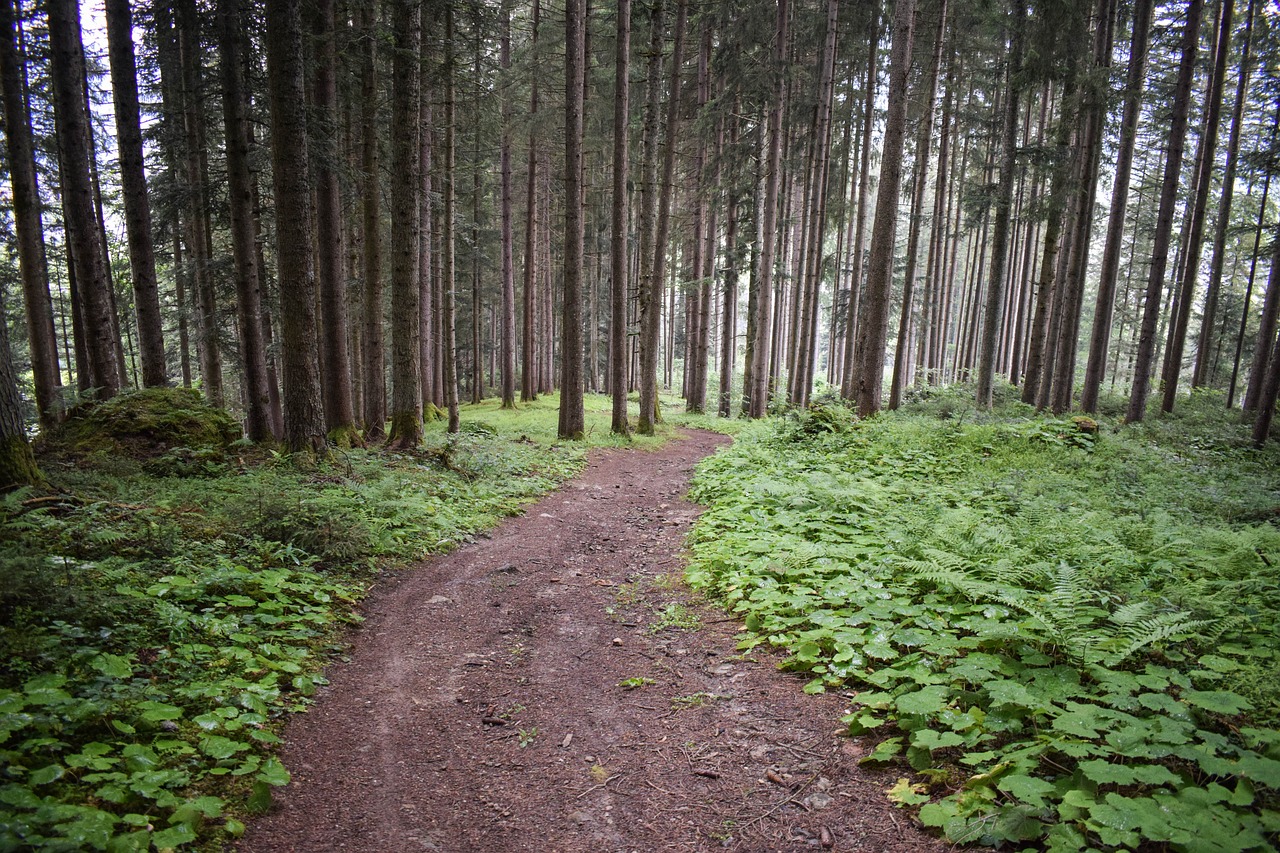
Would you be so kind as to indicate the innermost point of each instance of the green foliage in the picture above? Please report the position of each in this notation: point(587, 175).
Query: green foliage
point(1066, 631)
point(158, 619)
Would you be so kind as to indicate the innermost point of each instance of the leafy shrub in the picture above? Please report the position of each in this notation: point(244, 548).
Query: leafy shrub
point(1071, 649)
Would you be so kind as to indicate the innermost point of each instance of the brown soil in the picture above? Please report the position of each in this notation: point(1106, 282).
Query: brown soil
point(486, 702)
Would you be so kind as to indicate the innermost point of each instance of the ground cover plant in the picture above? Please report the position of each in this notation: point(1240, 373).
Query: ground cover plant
point(162, 610)
point(1064, 634)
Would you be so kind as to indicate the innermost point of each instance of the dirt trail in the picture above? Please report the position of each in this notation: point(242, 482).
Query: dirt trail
point(485, 704)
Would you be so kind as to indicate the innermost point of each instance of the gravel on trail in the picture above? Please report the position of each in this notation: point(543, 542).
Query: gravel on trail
point(554, 686)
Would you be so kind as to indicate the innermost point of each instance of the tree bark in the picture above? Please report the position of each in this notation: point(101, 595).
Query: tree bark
point(529, 349)
point(758, 401)
point(303, 411)
point(1204, 169)
point(257, 395)
point(572, 424)
point(853, 308)
point(995, 296)
point(335, 364)
point(1204, 344)
point(32, 259)
point(448, 326)
point(620, 268)
point(508, 336)
point(406, 310)
point(84, 238)
point(1143, 358)
point(1104, 309)
point(1270, 386)
point(873, 323)
point(374, 364)
point(17, 462)
point(133, 180)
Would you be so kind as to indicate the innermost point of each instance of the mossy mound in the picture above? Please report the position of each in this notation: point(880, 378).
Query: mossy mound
point(146, 424)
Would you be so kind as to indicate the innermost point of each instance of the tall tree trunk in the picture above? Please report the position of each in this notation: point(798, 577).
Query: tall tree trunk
point(335, 364)
point(1105, 306)
point(303, 411)
point(758, 399)
point(1270, 307)
point(529, 350)
point(1142, 362)
point(133, 180)
point(84, 237)
point(32, 260)
point(619, 268)
point(873, 322)
point(649, 302)
point(199, 239)
point(1090, 150)
point(406, 310)
point(572, 424)
point(508, 325)
point(652, 292)
point(1205, 163)
point(1205, 342)
point(257, 395)
point(374, 363)
point(853, 308)
point(920, 178)
point(448, 325)
point(1003, 202)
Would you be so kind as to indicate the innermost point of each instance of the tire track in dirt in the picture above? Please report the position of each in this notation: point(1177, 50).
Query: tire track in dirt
point(483, 705)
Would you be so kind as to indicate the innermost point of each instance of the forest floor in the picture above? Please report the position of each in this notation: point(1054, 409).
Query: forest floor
point(555, 687)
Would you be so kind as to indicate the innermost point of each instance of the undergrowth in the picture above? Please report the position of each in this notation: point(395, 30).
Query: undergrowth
point(159, 616)
point(1066, 634)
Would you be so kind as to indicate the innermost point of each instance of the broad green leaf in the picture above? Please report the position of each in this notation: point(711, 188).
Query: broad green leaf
point(904, 793)
point(115, 666)
point(1028, 789)
point(273, 772)
point(1217, 701)
point(45, 775)
point(929, 700)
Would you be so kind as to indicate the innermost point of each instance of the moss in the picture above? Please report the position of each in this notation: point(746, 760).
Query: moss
point(17, 464)
point(345, 437)
point(147, 423)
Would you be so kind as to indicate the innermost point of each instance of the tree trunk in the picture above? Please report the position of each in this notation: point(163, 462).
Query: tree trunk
point(508, 335)
point(1270, 386)
point(32, 260)
point(995, 296)
point(199, 239)
point(758, 395)
point(572, 424)
point(133, 180)
point(1205, 343)
point(374, 363)
point(257, 395)
point(853, 308)
point(17, 462)
point(448, 326)
point(1204, 168)
point(529, 350)
point(653, 291)
point(84, 238)
point(873, 322)
point(1105, 306)
point(335, 364)
point(303, 411)
point(1142, 364)
point(619, 268)
point(920, 178)
point(406, 310)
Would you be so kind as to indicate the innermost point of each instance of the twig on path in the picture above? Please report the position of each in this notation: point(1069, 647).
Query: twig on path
point(778, 805)
point(603, 784)
point(663, 790)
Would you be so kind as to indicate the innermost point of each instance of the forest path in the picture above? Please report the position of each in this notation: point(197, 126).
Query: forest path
point(485, 704)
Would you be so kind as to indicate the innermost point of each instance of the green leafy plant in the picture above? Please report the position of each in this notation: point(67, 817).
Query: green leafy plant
point(1065, 648)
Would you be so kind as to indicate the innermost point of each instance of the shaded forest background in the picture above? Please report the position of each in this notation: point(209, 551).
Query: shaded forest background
point(338, 219)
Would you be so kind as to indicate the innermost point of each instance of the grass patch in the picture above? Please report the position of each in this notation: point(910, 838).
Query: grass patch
point(1069, 636)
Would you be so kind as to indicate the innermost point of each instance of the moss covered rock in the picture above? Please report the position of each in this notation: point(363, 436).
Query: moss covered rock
point(147, 423)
